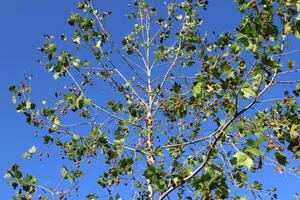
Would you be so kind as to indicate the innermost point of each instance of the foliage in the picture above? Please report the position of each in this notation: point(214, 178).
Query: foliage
point(189, 114)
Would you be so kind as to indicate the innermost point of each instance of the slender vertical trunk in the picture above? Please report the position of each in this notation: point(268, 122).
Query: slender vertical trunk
point(149, 119)
point(150, 158)
point(149, 125)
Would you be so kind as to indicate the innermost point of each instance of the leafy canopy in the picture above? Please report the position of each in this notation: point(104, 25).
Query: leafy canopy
point(170, 110)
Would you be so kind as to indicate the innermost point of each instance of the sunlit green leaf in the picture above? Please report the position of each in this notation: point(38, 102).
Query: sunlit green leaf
point(243, 159)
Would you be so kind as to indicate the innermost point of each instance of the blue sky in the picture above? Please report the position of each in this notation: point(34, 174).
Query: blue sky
point(22, 25)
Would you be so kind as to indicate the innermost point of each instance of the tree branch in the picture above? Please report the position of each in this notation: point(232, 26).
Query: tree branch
point(212, 146)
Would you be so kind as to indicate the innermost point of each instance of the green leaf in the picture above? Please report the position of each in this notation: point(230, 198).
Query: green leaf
point(179, 17)
point(287, 28)
point(14, 100)
point(126, 164)
point(7, 175)
point(197, 89)
point(70, 177)
point(76, 62)
point(87, 101)
point(56, 122)
point(92, 197)
point(32, 150)
point(281, 158)
point(76, 137)
point(260, 140)
point(13, 88)
point(242, 177)
point(118, 197)
point(56, 76)
point(298, 6)
point(248, 92)
point(240, 198)
point(243, 159)
point(245, 6)
point(98, 45)
point(64, 172)
point(235, 48)
point(76, 40)
point(297, 87)
point(297, 28)
point(256, 185)
point(254, 151)
point(77, 173)
point(293, 130)
point(26, 155)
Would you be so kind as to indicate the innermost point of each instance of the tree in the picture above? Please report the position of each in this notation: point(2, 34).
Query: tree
point(192, 115)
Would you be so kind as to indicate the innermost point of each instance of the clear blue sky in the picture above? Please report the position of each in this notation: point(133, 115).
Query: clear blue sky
point(22, 25)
